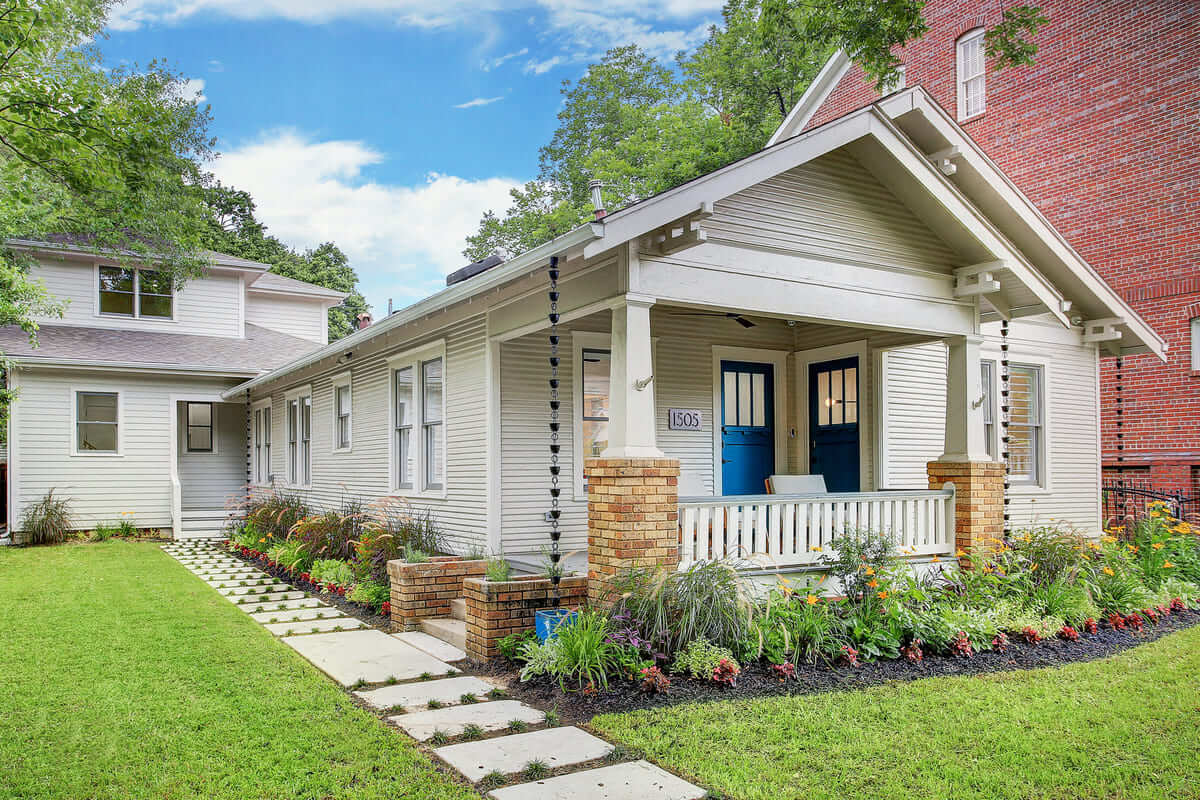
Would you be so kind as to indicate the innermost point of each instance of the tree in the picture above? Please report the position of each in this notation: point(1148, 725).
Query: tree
point(233, 228)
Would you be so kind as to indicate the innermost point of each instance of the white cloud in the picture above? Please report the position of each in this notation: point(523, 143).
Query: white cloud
point(488, 66)
point(480, 101)
point(215, 65)
point(403, 240)
point(193, 89)
point(539, 67)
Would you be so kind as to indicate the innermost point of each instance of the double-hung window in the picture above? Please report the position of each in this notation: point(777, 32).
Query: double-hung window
point(972, 74)
point(1026, 445)
point(341, 412)
point(299, 428)
point(595, 398)
point(418, 414)
point(262, 444)
point(136, 293)
point(988, 370)
point(96, 423)
point(200, 424)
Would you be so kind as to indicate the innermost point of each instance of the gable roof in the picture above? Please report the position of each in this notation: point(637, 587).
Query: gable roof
point(71, 345)
point(817, 92)
point(273, 282)
point(76, 246)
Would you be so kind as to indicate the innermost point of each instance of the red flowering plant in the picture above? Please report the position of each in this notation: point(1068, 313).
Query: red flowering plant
point(784, 671)
point(912, 650)
point(655, 681)
point(961, 645)
point(1151, 615)
point(1116, 622)
point(1091, 627)
point(1069, 633)
point(386, 609)
point(1030, 634)
point(849, 656)
point(726, 672)
point(1135, 621)
point(1177, 605)
point(1000, 642)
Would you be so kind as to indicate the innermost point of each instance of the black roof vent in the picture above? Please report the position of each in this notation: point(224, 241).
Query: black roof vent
point(471, 270)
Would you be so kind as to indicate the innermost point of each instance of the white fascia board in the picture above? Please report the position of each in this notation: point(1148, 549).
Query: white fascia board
point(328, 295)
point(480, 284)
point(217, 260)
point(917, 100)
point(813, 98)
point(669, 206)
point(121, 366)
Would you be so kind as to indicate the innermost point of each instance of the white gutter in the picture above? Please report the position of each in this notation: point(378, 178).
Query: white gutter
point(485, 281)
point(222, 260)
point(131, 366)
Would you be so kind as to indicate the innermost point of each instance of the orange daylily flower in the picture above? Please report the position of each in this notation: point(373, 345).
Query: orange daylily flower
point(870, 570)
point(960, 553)
point(812, 600)
point(1109, 571)
point(1167, 565)
point(1157, 545)
point(872, 583)
point(883, 595)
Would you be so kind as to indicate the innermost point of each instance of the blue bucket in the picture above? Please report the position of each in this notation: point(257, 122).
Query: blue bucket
point(549, 620)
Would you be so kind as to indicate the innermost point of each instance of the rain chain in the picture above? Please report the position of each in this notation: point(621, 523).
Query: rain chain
point(1004, 420)
point(555, 469)
point(1121, 432)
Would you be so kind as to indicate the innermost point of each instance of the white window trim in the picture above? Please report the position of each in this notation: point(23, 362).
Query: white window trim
point(580, 341)
point(338, 381)
point(992, 443)
point(1194, 328)
point(960, 82)
point(1018, 356)
point(256, 478)
point(215, 414)
point(97, 389)
point(137, 287)
point(415, 358)
point(297, 393)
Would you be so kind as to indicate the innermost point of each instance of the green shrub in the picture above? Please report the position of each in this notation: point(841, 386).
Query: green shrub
point(709, 600)
point(541, 658)
point(415, 555)
point(1172, 588)
point(699, 658)
point(1045, 554)
point(48, 521)
point(330, 570)
point(1014, 617)
point(511, 646)
point(802, 627)
point(497, 569)
point(585, 654)
point(332, 534)
point(370, 593)
point(938, 625)
point(1070, 601)
point(860, 560)
point(103, 532)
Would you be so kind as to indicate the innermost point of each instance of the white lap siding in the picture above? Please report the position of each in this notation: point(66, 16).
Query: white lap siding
point(303, 317)
point(100, 486)
point(362, 472)
point(914, 415)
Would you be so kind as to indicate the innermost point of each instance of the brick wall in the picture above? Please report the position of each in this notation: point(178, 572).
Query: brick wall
point(978, 501)
point(497, 608)
point(633, 517)
point(1101, 133)
point(422, 590)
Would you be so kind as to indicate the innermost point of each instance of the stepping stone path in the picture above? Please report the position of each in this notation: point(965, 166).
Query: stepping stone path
point(410, 671)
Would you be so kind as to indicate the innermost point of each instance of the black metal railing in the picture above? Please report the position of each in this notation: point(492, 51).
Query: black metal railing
point(1127, 501)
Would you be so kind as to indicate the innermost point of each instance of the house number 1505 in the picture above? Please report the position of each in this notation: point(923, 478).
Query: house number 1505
point(683, 419)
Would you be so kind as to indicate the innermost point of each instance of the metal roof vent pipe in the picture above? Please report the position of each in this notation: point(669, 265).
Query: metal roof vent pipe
point(597, 200)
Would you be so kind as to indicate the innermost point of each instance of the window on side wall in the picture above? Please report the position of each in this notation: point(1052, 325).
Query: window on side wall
point(262, 445)
point(1196, 344)
point(594, 402)
point(988, 369)
point(418, 445)
point(299, 433)
point(96, 423)
point(135, 293)
point(972, 75)
point(1026, 428)
point(342, 426)
point(200, 424)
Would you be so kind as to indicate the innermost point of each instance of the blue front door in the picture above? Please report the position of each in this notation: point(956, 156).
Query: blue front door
point(747, 426)
point(833, 413)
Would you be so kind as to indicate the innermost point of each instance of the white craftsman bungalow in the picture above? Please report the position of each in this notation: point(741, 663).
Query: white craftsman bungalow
point(119, 407)
point(828, 306)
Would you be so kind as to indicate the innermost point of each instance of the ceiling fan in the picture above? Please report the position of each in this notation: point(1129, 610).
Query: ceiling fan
point(738, 318)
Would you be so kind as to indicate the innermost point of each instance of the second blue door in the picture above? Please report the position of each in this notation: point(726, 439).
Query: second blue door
point(747, 426)
point(833, 423)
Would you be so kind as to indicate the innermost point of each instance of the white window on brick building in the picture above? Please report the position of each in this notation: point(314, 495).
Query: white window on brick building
point(972, 75)
point(1196, 344)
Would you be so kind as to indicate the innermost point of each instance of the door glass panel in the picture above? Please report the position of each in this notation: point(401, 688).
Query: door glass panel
point(730, 413)
point(851, 414)
point(759, 400)
point(823, 398)
point(743, 407)
point(595, 437)
point(836, 408)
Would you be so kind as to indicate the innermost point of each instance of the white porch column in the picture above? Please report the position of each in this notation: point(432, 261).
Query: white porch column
point(964, 402)
point(631, 402)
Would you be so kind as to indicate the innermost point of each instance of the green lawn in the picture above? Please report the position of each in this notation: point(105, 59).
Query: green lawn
point(1126, 727)
point(122, 675)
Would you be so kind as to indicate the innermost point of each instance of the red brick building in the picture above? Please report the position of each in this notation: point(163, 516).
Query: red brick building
point(1102, 133)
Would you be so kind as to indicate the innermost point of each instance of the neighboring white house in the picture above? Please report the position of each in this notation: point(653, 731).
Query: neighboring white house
point(120, 405)
point(831, 305)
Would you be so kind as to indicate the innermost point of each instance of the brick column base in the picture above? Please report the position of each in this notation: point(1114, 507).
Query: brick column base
point(424, 589)
point(633, 517)
point(978, 502)
point(497, 608)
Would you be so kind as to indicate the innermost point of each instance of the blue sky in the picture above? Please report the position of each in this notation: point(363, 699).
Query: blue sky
point(388, 126)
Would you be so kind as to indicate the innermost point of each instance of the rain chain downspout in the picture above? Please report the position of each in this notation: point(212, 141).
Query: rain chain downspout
point(1004, 420)
point(555, 405)
point(1122, 495)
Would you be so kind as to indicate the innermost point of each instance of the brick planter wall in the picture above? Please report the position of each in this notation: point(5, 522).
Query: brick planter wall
point(424, 589)
point(978, 501)
point(633, 517)
point(497, 608)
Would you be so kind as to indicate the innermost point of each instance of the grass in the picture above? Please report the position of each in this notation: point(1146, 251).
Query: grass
point(1124, 727)
point(127, 677)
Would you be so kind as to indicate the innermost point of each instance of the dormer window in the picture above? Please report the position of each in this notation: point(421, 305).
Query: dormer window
point(137, 293)
point(972, 69)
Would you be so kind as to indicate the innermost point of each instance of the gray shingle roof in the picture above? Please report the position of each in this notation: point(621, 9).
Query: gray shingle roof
point(281, 283)
point(261, 350)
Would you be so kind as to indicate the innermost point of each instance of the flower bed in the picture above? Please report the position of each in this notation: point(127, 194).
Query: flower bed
point(1044, 596)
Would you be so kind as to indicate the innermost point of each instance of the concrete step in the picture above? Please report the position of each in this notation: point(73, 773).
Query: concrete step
point(635, 780)
point(435, 647)
point(458, 609)
point(555, 747)
point(449, 630)
point(491, 716)
point(416, 696)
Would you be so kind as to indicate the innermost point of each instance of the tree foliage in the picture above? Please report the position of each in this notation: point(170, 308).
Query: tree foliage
point(233, 228)
point(640, 126)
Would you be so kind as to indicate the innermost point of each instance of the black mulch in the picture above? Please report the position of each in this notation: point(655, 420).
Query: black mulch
point(757, 681)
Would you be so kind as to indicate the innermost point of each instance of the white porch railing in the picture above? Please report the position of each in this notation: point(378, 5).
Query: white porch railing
point(795, 529)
